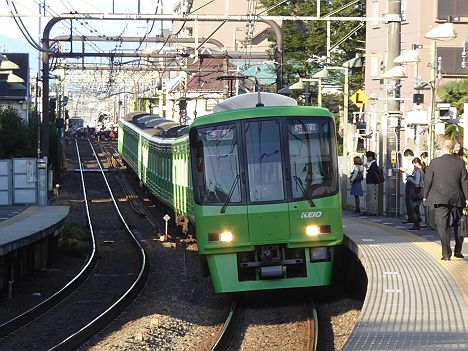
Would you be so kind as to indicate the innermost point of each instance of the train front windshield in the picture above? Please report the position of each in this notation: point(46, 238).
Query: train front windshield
point(305, 147)
point(312, 160)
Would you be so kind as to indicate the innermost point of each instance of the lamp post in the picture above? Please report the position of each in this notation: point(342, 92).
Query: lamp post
point(301, 86)
point(323, 74)
point(443, 32)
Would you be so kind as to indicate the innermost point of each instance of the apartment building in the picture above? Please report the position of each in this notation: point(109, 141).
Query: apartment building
point(437, 63)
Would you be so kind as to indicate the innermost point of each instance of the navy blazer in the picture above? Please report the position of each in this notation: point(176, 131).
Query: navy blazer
point(446, 182)
point(370, 175)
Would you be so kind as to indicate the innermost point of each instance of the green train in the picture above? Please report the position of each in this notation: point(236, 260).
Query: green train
point(258, 178)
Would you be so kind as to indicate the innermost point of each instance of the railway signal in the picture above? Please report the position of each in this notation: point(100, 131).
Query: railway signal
point(166, 219)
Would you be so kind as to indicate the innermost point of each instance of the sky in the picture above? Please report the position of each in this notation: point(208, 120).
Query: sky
point(12, 40)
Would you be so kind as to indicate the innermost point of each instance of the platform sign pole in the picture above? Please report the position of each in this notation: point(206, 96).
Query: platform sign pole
point(166, 219)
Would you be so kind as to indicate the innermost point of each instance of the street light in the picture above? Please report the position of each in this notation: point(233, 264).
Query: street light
point(300, 85)
point(324, 74)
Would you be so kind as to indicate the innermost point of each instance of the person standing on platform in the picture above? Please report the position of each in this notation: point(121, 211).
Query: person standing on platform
point(357, 175)
point(416, 181)
point(407, 171)
point(424, 158)
point(446, 188)
point(372, 184)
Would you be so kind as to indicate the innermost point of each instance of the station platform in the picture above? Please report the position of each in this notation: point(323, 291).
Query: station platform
point(23, 226)
point(414, 301)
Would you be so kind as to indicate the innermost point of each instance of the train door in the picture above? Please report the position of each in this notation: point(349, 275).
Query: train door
point(266, 194)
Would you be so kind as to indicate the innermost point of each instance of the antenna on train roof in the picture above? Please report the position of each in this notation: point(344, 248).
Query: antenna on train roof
point(259, 95)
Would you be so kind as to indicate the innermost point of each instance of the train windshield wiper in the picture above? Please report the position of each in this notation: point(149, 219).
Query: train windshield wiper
point(223, 209)
point(299, 182)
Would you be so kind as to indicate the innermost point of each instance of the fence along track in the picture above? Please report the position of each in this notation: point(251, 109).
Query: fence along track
point(71, 286)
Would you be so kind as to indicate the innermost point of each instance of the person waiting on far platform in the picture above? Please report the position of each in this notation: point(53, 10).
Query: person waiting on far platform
point(407, 170)
point(416, 181)
point(446, 188)
point(424, 157)
point(357, 175)
point(372, 184)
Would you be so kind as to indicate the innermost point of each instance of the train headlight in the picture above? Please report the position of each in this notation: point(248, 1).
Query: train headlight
point(225, 236)
point(312, 230)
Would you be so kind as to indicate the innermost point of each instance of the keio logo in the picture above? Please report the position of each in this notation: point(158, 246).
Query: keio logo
point(314, 214)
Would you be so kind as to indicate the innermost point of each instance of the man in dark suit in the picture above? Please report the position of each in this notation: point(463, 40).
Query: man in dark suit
point(446, 188)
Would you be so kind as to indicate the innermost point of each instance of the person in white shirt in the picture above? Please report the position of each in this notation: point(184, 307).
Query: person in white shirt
point(407, 171)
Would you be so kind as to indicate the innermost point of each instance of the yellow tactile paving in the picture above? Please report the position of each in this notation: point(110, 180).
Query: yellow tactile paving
point(457, 268)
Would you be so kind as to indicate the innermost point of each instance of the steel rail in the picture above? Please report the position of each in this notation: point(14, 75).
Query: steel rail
point(71, 286)
point(312, 326)
point(224, 337)
point(117, 307)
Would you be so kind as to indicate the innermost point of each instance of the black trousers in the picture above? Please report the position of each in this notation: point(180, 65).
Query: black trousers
point(416, 215)
point(409, 206)
point(442, 219)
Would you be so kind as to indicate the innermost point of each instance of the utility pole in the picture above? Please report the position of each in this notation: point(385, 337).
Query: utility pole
point(393, 113)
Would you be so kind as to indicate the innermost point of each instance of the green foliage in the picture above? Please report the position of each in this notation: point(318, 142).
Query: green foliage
point(455, 93)
point(454, 132)
point(304, 40)
point(17, 138)
point(74, 241)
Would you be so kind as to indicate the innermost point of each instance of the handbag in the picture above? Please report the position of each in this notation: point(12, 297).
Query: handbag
point(416, 193)
point(463, 224)
point(359, 177)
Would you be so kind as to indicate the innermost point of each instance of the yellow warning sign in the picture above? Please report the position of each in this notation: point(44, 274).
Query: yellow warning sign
point(359, 98)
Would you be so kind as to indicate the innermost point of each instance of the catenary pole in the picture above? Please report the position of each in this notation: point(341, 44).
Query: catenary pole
point(393, 113)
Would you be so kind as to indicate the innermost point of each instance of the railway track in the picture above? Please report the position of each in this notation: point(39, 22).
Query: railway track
point(232, 331)
point(113, 275)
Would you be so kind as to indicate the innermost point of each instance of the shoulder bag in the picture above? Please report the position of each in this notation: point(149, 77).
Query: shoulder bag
point(463, 225)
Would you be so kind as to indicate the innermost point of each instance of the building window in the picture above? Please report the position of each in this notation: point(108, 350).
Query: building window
point(454, 8)
point(375, 12)
point(375, 67)
point(404, 10)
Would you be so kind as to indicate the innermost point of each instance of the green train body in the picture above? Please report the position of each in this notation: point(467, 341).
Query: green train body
point(262, 186)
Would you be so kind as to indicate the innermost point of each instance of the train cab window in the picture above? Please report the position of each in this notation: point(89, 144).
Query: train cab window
point(264, 166)
point(312, 158)
point(215, 165)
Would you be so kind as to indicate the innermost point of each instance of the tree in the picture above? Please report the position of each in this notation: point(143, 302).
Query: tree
point(455, 93)
point(17, 139)
point(305, 44)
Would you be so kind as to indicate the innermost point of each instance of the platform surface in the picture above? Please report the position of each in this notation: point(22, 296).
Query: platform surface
point(29, 225)
point(414, 300)
point(7, 212)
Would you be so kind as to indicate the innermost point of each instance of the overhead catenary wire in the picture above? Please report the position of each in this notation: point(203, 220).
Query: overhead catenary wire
point(22, 27)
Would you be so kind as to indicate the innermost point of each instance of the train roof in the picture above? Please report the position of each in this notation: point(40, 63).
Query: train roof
point(177, 131)
point(252, 99)
point(155, 126)
point(129, 117)
point(262, 112)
